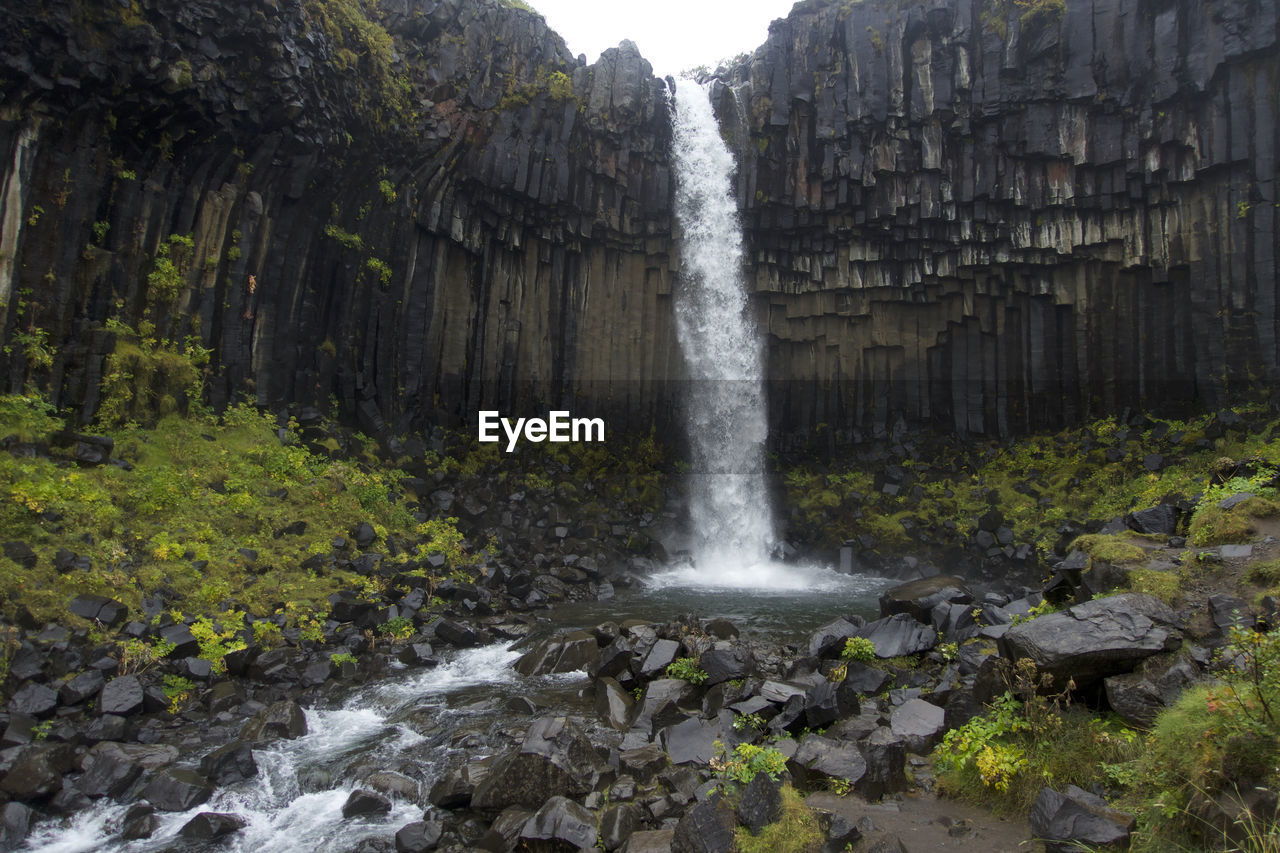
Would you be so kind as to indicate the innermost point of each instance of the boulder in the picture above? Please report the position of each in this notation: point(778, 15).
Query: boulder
point(863, 679)
point(650, 841)
point(723, 665)
point(111, 768)
point(761, 803)
point(618, 823)
point(418, 837)
point(819, 760)
point(1060, 819)
point(1090, 641)
point(659, 658)
point(918, 598)
point(886, 757)
point(455, 633)
point(230, 763)
point(362, 802)
point(1138, 696)
point(565, 653)
point(34, 700)
point(828, 641)
point(99, 608)
point(919, 724)
point(82, 688)
point(121, 696)
point(1158, 520)
point(898, 635)
point(176, 790)
point(15, 823)
point(283, 719)
point(692, 741)
point(613, 704)
point(208, 826)
point(453, 790)
point(38, 772)
point(706, 828)
point(560, 822)
point(829, 701)
point(555, 758)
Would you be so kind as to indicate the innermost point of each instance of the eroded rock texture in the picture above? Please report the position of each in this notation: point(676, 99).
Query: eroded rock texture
point(1002, 216)
point(981, 215)
point(463, 218)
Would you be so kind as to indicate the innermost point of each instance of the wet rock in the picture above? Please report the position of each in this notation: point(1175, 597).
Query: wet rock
point(1139, 696)
point(819, 760)
point(209, 826)
point(110, 768)
point(140, 827)
point(1226, 611)
point(555, 758)
point(15, 823)
point(121, 696)
point(418, 654)
point(705, 828)
point(392, 784)
point(1158, 520)
point(176, 790)
point(864, 679)
point(842, 835)
point(82, 688)
point(99, 608)
point(418, 837)
point(504, 832)
point(1077, 816)
point(455, 634)
point(618, 823)
point(34, 700)
point(283, 719)
point(1090, 641)
point(919, 724)
point(691, 741)
point(886, 757)
point(562, 822)
point(829, 701)
point(576, 650)
point(723, 665)
point(229, 764)
point(918, 598)
point(362, 802)
point(644, 762)
point(899, 635)
point(38, 772)
point(828, 641)
point(184, 642)
point(453, 790)
point(613, 704)
point(761, 803)
point(661, 656)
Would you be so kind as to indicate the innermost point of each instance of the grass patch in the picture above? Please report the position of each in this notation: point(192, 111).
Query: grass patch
point(1265, 574)
point(1215, 526)
point(1115, 548)
point(795, 831)
point(195, 520)
point(1166, 586)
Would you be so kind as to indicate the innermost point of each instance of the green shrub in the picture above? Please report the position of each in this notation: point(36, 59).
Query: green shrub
point(859, 649)
point(687, 669)
point(746, 760)
point(399, 628)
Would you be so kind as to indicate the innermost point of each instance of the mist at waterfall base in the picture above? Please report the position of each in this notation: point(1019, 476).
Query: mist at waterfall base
point(732, 520)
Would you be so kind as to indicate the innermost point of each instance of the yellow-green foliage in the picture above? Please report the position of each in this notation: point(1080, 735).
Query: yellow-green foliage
point(1116, 548)
point(1164, 585)
point(146, 378)
point(1038, 482)
point(1215, 737)
point(200, 489)
point(796, 831)
point(362, 46)
point(173, 258)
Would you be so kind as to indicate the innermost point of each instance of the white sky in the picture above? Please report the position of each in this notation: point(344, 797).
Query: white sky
point(671, 34)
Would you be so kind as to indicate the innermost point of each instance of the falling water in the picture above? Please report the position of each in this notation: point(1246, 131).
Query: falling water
point(729, 503)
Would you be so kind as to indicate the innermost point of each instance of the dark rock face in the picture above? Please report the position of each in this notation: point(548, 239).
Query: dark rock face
point(208, 826)
point(1077, 815)
point(554, 759)
point(1088, 642)
point(980, 222)
point(560, 821)
point(177, 790)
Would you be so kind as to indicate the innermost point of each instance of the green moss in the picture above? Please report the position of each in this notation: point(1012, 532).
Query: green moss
point(1117, 548)
point(796, 831)
point(1166, 586)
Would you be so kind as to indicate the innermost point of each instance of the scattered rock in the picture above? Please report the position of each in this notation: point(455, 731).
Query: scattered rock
point(362, 802)
point(208, 826)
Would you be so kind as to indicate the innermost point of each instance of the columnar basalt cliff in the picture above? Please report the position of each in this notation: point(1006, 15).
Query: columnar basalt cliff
point(1001, 216)
point(421, 217)
point(987, 216)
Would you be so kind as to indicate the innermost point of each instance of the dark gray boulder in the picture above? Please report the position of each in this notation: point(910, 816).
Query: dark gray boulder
point(705, 828)
point(618, 823)
point(899, 635)
point(283, 719)
point(34, 700)
point(37, 773)
point(1061, 819)
point(418, 837)
point(613, 704)
point(1090, 641)
point(919, 724)
point(363, 802)
point(176, 790)
point(1159, 520)
point(828, 641)
point(561, 822)
point(886, 757)
point(918, 598)
point(121, 696)
point(209, 826)
point(723, 665)
point(761, 803)
point(230, 763)
point(555, 758)
point(81, 688)
point(819, 760)
point(565, 653)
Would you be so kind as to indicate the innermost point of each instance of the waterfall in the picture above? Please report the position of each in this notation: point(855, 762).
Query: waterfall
point(726, 422)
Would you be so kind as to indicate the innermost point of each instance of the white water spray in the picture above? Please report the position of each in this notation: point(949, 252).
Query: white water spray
point(729, 501)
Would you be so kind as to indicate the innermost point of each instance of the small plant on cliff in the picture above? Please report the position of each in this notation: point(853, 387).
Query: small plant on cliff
point(746, 760)
point(859, 649)
point(399, 628)
point(687, 669)
point(173, 256)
